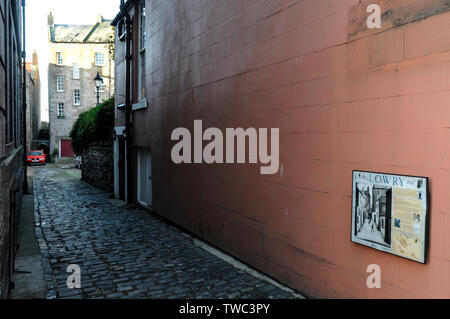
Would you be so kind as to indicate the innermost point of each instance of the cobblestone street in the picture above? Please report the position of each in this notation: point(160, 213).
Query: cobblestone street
point(125, 253)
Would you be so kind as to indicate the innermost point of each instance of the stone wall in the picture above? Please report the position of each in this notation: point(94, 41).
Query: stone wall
point(97, 167)
point(33, 95)
point(11, 148)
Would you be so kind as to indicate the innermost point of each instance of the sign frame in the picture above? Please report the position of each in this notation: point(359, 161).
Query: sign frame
point(374, 228)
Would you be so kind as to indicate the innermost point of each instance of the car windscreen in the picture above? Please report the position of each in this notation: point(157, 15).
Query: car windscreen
point(35, 153)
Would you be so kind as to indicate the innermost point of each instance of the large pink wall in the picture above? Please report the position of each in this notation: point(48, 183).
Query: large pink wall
point(344, 98)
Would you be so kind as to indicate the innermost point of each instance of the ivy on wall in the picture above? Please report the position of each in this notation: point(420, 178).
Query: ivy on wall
point(93, 127)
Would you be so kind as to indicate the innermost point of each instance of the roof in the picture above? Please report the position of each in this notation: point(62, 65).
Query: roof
point(69, 33)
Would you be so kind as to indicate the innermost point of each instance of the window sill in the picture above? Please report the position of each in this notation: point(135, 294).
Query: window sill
point(140, 105)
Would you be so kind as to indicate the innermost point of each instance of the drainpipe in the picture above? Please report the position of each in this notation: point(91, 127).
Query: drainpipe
point(128, 128)
point(24, 100)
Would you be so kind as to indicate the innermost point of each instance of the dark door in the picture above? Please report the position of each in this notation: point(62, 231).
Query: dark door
point(66, 148)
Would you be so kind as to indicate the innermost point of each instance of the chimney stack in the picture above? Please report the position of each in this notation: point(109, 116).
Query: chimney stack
point(35, 58)
point(50, 20)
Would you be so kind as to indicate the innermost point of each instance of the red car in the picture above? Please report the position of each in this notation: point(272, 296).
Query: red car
point(36, 157)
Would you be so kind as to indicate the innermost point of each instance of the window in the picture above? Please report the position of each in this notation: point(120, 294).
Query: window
point(122, 30)
point(76, 71)
point(142, 31)
point(60, 109)
point(100, 59)
point(59, 58)
point(76, 97)
point(141, 59)
point(102, 86)
point(37, 153)
point(60, 83)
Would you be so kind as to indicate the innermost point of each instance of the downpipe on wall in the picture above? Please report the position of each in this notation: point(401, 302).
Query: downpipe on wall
point(128, 128)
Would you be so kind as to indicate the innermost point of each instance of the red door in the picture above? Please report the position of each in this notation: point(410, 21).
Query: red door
point(66, 148)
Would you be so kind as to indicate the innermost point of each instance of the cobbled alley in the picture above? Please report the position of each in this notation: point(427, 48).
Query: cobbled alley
point(125, 253)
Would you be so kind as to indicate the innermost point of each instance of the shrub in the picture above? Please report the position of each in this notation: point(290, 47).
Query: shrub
point(93, 126)
point(54, 155)
point(104, 121)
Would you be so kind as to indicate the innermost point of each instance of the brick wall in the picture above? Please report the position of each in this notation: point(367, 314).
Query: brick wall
point(344, 98)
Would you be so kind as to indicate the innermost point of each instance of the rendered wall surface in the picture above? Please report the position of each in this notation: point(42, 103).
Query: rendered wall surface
point(344, 97)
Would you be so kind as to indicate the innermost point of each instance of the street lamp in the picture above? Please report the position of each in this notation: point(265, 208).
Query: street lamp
point(98, 82)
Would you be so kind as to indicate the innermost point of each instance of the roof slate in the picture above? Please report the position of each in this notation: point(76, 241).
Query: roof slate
point(96, 33)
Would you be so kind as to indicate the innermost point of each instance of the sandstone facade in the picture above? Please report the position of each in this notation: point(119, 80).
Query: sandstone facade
point(78, 49)
point(33, 89)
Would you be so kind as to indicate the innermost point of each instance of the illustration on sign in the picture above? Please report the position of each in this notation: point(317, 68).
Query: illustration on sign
point(389, 213)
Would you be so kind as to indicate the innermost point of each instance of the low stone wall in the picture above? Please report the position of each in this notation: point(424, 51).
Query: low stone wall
point(97, 167)
point(11, 190)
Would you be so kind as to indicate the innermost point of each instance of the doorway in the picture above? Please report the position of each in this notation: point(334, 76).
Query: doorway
point(144, 180)
point(121, 166)
point(66, 148)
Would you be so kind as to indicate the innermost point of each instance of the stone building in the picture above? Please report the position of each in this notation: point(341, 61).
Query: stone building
point(77, 54)
point(33, 89)
point(344, 96)
point(11, 135)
